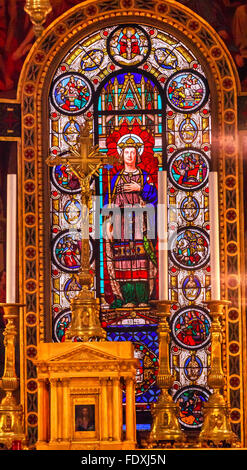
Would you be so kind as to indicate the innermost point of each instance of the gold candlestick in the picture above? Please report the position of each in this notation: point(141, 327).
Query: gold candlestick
point(216, 426)
point(38, 11)
point(165, 428)
point(11, 413)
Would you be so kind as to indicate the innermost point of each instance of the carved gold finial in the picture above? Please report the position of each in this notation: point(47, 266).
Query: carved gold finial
point(216, 428)
point(38, 11)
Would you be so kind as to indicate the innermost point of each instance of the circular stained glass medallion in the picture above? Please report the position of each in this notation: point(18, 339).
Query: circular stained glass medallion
point(188, 170)
point(186, 91)
point(191, 401)
point(191, 287)
point(65, 180)
point(189, 208)
point(190, 248)
point(91, 60)
point(190, 328)
point(71, 132)
point(72, 211)
point(66, 250)
point(193, 367)
point(62, 323)
point(71, 288)
point(188, 131)
point(71, 93)
point(128, 45)
point(166, 58)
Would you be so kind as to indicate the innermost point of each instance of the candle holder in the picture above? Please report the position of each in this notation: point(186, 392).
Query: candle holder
point(165, 430)
point(11, 413)
point(216, 430)
point(38, 11)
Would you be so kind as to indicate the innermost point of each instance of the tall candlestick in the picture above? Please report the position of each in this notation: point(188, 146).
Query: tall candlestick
point(11, 239)
point(162, 235)
point(214, 235)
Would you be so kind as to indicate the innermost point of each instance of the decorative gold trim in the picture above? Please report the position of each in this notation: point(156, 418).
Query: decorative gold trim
point(224, 83)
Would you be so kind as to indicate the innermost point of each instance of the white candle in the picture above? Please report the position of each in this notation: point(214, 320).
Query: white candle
point(162, 235)
point(11, 240)
point(214, 235)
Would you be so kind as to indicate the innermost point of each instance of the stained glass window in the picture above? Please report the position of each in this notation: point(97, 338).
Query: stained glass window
point(146, 100)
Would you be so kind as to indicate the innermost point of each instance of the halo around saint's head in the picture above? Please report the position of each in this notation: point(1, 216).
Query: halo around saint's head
point(130, 140)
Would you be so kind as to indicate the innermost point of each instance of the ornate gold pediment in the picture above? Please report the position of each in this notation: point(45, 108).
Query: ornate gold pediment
point(76, 353)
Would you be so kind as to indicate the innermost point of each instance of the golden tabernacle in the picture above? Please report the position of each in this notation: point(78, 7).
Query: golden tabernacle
point(80, 396)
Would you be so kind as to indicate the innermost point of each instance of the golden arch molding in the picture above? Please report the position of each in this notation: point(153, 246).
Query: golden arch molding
point(33, 89)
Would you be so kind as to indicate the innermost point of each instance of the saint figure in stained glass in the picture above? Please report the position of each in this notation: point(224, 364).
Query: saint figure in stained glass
point(131, 259)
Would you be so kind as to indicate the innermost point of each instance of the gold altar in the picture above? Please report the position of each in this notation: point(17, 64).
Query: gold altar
point(79, 381)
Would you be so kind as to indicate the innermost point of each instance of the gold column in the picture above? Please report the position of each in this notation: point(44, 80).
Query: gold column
point(117, 402)
point(53, 410)
point(42, 410)
point(11, 413)
point(216, 427)
point(60, 410)
point(165, 423)
point(110, 408)
point(130, 410)
point(104, 410)
point(66, 410)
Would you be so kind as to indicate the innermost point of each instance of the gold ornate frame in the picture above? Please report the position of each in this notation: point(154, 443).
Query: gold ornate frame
point(33, 89)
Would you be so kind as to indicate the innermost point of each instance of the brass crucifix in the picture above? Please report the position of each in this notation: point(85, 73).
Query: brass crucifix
point(84, 163)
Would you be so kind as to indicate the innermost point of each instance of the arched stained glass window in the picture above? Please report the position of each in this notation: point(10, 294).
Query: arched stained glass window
point(146, 100)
